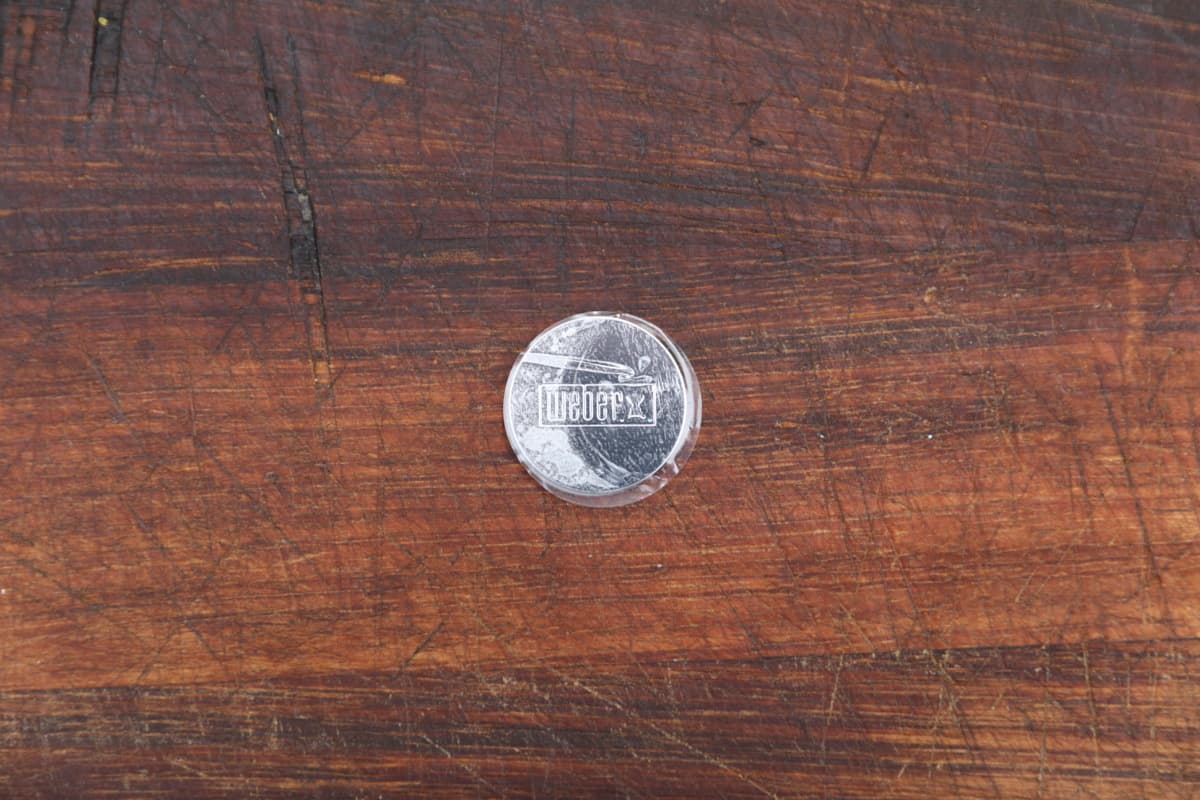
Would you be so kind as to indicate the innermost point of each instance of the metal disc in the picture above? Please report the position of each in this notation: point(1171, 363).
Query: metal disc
point(602, 409)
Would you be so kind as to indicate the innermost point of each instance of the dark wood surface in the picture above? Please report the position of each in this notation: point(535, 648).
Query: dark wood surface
point(264, 267)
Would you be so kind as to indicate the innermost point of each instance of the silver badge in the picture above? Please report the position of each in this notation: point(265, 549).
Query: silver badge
point(602, 409)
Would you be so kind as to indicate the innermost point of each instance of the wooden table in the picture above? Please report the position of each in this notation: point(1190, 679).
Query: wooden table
point(265, 266)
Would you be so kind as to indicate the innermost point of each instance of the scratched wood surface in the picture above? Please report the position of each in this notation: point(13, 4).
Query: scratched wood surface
point(264, 267)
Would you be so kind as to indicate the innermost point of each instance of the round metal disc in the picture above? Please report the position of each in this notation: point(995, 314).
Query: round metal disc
point(602, 409)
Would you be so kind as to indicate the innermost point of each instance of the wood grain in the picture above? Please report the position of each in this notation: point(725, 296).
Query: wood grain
point(265, 267)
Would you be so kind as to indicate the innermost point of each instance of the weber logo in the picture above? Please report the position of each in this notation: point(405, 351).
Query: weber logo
point(593, 405)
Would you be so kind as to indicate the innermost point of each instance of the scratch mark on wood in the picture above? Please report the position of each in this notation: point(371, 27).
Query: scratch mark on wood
point(114, 401)
point(1143, 198)
point(1042, 754)
point(1151, 564)
point(870, 159)
point(752, 108)
point(487, 230)
point(21, 56)
point(420, 647)
point(104, 63)
point(386, 78)
point(178, 762)
point(84, 601)
point(263, 511)
point(68, 18)
point(1093, 719)
point(304, 252)
point(8, 77)
point(825, 725)
point(3, 32)
point(966, 729)
point(708, 758)
point(465, 767)
point(118, 413)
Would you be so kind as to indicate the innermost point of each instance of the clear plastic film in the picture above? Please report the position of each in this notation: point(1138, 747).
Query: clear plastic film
point(602, 409)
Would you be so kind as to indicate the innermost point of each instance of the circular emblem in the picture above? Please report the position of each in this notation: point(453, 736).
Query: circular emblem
point(602, 409)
